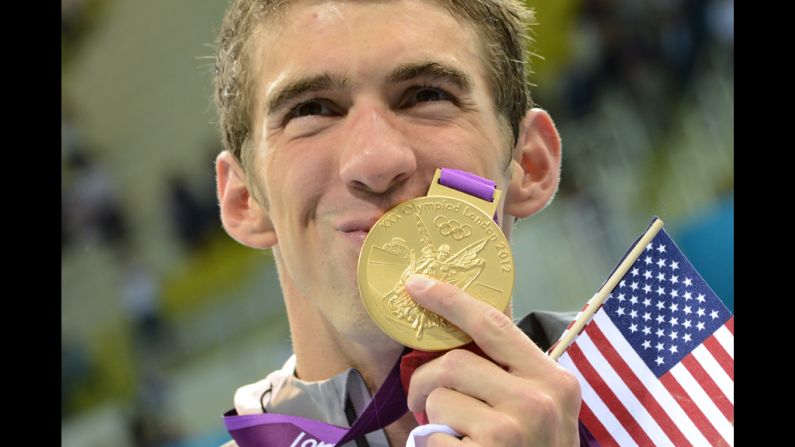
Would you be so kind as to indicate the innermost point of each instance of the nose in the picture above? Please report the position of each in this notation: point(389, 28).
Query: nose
point(376, 156)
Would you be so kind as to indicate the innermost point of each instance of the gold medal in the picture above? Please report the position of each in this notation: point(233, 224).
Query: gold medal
point(448, 235)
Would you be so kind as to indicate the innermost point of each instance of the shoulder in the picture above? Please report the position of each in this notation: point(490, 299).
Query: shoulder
point(545, 328)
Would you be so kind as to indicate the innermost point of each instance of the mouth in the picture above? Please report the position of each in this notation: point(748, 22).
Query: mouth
point(356, 230)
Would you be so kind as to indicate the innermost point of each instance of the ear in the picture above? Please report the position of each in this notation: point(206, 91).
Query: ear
point(243, 217)
point(535, 168)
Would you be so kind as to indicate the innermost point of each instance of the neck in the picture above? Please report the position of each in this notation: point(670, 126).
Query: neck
point(323, 351)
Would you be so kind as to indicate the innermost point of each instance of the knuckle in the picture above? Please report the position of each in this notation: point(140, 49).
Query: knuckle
point(434, 403)
point(570, 386)
point(494, 319)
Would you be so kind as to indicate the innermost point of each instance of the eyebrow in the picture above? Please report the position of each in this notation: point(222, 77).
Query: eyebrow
point(302, 86)
point(435, 70)
point(402, 73)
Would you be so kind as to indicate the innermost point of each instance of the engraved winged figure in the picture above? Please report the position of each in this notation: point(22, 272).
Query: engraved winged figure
point(460, 269)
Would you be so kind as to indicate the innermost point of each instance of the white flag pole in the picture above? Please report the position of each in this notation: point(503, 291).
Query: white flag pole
point(596, 301)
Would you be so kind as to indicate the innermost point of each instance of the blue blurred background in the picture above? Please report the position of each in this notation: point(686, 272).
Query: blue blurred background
point(164, 316)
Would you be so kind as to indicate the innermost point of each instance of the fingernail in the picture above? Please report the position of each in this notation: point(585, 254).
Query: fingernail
point(419, 283)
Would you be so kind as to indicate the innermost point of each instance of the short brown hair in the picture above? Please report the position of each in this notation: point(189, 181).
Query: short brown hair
point(502, 25)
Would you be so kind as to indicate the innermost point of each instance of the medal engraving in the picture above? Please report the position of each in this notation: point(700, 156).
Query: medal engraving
point(440, 237)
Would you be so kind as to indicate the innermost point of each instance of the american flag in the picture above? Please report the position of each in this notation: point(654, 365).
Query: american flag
point(656, 361)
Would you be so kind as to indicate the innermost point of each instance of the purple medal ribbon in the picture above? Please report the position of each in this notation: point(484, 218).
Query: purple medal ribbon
point(388, 404)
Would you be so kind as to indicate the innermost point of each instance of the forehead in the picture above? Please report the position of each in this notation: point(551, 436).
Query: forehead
point(362, 38)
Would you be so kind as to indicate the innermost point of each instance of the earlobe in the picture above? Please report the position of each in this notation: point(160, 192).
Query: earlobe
point(242, 216)
point(535, 168)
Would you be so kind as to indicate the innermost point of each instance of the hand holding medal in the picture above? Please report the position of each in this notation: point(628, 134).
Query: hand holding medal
point(435, 273)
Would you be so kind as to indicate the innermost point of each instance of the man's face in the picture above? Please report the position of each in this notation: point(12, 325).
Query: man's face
point(356, 105)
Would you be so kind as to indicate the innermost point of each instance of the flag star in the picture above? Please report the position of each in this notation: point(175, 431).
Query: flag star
point(620, 297)
point(700, 312)
point(659, 360)
point(661, 276)
point(646, 330)
point(686, 324)
point(660, 346)
point(674, 293)
point(660, 333)
point(661, 263)
point(660, 305)
point(688, 296)
point(647, 288)
point(622, 283)
point(647, 302)
point(700, 326)
point(700, 298)
point(673, 335)
point(635, 271)
point(660, 319)
point(633, 300)
point(634, 286)
point(646, 316)
point(674, 321)
point(688, 282)
point(646, 344)
point(660, 291)
point(633, 313)
point(687, 338)
point(633, 327)
point(647, 260)
point(687, 310)
point(672, 349)
point(674, 307)
point(620, 311)
point(647, 274)
point(713, 314)
point(661, 248)
point(674, 279)
point(648, 246)
point(674, 265)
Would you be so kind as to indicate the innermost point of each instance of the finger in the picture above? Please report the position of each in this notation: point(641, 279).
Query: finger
point(439, 440)
point(465, 372)
point(472, 418)
point(491, 329)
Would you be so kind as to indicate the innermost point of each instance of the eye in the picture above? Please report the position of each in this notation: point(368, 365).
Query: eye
point(427, 94)
point(312, 107)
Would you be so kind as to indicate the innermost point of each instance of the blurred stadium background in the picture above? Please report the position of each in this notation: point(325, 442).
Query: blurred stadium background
point(164, 316)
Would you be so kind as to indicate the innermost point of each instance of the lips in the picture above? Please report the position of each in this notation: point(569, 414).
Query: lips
point(356, 229)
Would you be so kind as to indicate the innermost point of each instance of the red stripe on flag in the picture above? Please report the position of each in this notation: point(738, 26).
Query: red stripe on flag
point(692, 410)
point(720, 355)
point(596, 428)
point(710, 387)
point(634, 383)
point(730, 325)
point(608, 397)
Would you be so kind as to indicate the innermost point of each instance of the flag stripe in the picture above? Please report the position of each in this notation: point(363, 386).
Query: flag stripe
point(596, 428)
point(710, 387)
point(703, 401)
point(606, 394)
point(642, 394)
point(716, 371)
point(660, 393)
point(694, 413)
point(720, 355)
point(730, 324)
point(607, 419)
point(726, 339)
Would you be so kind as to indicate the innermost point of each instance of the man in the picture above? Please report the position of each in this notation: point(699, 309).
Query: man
point(332, 113)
